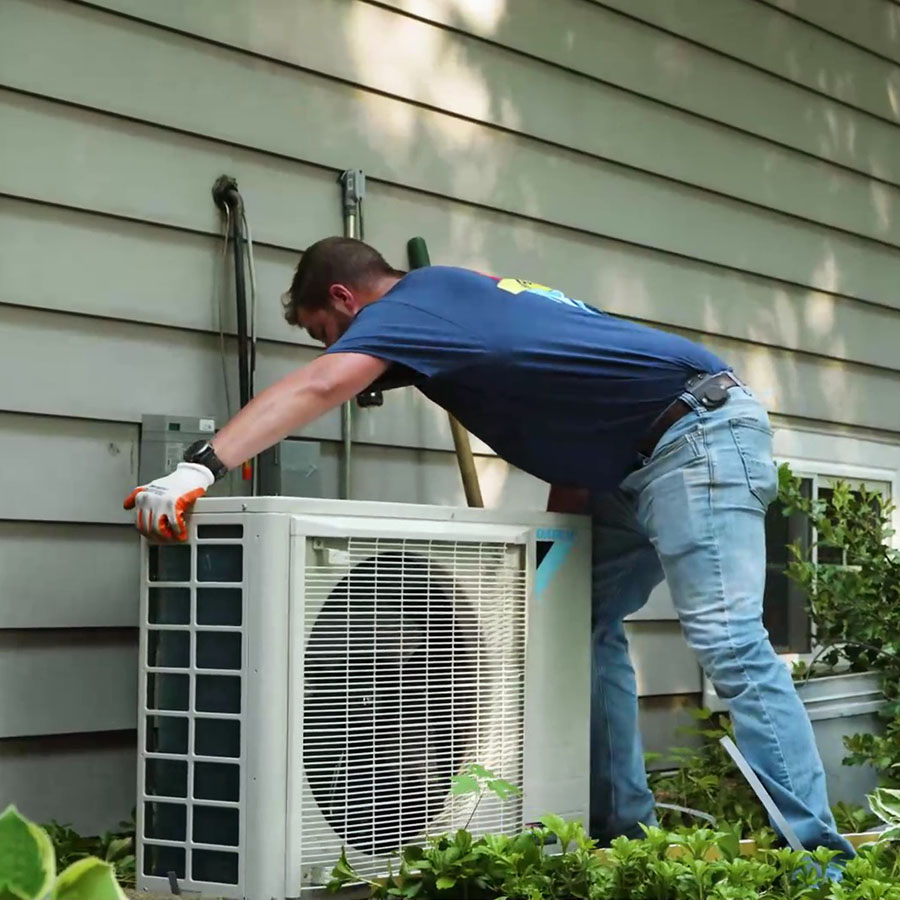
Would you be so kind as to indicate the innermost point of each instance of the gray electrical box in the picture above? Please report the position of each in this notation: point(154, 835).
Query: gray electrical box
point(290, 469)
point(164, 440)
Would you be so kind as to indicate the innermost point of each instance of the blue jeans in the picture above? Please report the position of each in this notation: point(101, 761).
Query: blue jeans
point(694, 512)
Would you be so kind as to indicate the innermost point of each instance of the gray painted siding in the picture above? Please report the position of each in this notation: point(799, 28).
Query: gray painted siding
point(874, 25)
point(94, 775)
point(313, 118)
point(739, 184)
point(67, 682)
point(68, 574)
point(772, 40)
point(637, 55)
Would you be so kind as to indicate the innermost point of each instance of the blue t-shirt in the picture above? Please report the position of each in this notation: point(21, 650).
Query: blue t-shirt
point(555, 387)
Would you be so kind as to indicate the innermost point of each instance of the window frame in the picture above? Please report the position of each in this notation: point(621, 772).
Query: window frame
point(818, 471)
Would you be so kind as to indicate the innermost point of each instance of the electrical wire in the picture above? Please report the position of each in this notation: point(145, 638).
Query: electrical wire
point(248, 242)
point(254, 308)
point(219, 291)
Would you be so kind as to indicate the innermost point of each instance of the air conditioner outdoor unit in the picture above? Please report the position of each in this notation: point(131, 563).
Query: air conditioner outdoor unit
point(314, 673)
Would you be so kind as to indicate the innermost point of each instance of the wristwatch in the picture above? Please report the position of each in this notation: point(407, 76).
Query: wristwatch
point(203, 454)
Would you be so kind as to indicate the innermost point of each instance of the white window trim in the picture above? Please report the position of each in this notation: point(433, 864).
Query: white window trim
point(818, 470)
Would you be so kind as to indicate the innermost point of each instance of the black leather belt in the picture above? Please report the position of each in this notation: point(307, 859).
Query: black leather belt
point(711, 392)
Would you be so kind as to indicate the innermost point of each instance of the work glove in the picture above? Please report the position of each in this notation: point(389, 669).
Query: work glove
point(161, 505)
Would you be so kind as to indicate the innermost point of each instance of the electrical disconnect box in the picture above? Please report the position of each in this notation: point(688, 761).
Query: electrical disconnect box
point(164, 440)
point(290, 469)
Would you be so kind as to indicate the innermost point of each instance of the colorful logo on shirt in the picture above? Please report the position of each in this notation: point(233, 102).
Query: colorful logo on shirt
point(518, 285)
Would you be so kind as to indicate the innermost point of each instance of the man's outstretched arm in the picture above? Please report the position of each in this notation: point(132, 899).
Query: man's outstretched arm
point(291, 403)
point(294, 402)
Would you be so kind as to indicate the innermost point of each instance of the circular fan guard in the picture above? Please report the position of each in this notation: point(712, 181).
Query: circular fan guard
point(390, 705)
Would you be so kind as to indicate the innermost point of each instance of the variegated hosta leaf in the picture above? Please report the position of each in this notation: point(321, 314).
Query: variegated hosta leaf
point(88, 879)
point(27, 859)
point(885, 803)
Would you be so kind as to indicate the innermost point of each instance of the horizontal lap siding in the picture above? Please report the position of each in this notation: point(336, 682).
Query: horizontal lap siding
point(147, 273)
point(662, 165)
point(67, 681)
point(765, 37)
point(456, 73)
point(873, 25)
point(600, 42)
point(314, 118)
point(92, 778)
point(68, 574)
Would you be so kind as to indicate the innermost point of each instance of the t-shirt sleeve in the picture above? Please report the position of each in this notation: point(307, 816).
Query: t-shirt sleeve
point(409, 336)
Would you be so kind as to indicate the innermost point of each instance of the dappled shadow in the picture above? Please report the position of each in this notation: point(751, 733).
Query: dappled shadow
point(565, 173)
point(478, 164)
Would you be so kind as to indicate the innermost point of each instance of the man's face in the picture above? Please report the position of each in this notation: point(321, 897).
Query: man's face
point(327, 323)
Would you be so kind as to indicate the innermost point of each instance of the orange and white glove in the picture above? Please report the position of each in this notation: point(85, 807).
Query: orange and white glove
point(161, 505)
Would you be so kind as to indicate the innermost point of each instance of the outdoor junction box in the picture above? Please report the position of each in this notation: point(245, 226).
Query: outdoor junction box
point(290, 468)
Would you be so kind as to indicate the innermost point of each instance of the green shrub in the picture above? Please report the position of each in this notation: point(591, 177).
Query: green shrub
point(855, 608)
point(705, 778)
point(116, 848)
point(559, 862)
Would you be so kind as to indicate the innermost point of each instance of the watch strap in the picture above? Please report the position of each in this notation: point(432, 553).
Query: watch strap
point(203, 454)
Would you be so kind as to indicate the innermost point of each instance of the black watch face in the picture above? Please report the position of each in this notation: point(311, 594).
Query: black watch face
point(193, 453)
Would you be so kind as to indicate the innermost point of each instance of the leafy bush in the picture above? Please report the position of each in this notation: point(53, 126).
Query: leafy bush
point(853, 819)
point(28, 867)
point(705, 778)
point(116, 848)
point(689, 865)
point(558, 861)
point(855, 608)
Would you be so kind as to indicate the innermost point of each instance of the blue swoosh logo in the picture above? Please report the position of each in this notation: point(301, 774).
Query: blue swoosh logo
point(563, 539)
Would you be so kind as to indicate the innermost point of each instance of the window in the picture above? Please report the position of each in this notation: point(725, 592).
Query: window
point(784, 603)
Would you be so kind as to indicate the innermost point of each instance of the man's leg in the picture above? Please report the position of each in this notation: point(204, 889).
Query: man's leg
point(625, 570)
point(702, 498)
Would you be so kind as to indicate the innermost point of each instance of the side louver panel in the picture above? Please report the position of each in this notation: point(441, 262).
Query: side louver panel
point(192, 712)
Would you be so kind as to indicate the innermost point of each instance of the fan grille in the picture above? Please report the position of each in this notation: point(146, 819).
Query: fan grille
point(414, 666)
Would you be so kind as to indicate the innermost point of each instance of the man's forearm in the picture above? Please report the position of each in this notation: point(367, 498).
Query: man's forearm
point(293, 402)
point(287, 405)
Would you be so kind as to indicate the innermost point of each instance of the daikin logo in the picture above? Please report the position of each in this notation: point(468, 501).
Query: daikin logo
point(553, 546)
point(555, 534)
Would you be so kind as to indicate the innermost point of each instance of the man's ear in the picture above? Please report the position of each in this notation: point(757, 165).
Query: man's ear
point(343, 299)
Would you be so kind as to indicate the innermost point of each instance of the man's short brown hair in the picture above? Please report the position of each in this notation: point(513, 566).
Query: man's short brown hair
point(333, 260)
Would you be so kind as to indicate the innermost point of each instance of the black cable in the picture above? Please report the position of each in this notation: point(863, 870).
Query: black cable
point(240, 289)
point(228, 199)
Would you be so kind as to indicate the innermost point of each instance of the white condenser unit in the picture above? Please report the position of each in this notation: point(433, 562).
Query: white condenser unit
point(314, 673)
